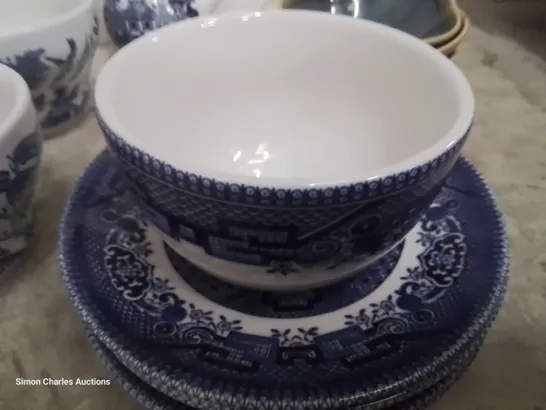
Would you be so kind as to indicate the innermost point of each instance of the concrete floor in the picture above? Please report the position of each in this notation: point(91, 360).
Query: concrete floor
point(512, 37)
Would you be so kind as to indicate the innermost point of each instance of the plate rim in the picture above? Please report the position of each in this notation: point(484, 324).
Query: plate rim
point(191, 388)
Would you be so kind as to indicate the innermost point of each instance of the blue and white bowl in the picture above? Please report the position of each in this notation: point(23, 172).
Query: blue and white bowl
point(273, 148)
point(20, 153)
point(51, 45)
point(126, 20)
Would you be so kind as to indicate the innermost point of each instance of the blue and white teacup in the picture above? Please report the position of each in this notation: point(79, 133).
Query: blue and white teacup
point(51, 45)
point(20, 153)
point(126, 20)
point(273, 152)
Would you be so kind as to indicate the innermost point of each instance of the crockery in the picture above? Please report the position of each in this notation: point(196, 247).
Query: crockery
point(151, 399)
point(433, 21)
point(20, 153)
point(450, 47)
point(207, 344)
point(295, 176)
point(127, 20)
point(51, 44)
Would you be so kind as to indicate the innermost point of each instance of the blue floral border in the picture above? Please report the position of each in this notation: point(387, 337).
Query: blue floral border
point(251, 194)
point(188, 388)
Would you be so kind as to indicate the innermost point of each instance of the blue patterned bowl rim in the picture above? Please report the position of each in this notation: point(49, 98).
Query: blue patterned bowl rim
point(260, 195)
point(146, 149)
point(134, 356)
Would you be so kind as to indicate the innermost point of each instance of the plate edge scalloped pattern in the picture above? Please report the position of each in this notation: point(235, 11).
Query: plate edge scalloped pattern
point(186, 391)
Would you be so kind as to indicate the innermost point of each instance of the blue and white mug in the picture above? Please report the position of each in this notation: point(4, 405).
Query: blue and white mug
point(51, 45)
point(20, 153)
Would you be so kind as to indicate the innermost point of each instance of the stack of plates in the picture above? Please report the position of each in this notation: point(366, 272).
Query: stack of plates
point(176, 338)
point(440, 23)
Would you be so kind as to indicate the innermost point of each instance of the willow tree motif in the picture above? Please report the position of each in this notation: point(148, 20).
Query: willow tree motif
point(66, 103)
point(24, 161)
point(32, 65)
point(54, 80)
point(65, 64)
point(17, 184)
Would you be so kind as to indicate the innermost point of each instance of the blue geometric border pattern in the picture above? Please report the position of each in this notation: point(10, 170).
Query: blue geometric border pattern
point(247, 194)
point(183, 384)
point(151, 399)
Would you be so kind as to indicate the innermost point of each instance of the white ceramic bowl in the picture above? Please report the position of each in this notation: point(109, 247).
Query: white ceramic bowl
point(51, 44)
point(20, 153)
point(284, 149)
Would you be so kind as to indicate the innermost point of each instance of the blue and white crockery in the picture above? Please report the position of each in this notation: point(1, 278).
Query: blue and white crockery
point(126, 20)
point(51, 44)
point(433, 21)
point(393, 327)
point(151, 399)
point(294, 182)
point(20, 153)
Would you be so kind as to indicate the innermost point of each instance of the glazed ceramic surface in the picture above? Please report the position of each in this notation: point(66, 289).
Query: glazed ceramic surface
point(51, 44)
point(153, 400)
point(451, 46)
point(20, 153)
point(296, 176)
point(430, 20)
point(208, 344)
point(127, 20)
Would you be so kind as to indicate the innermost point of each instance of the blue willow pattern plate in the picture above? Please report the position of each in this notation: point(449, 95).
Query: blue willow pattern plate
point(152, 399)
point(208, 344)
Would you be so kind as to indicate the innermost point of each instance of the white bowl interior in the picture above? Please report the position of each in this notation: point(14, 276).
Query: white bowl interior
point(20, 15)
point(285, 97)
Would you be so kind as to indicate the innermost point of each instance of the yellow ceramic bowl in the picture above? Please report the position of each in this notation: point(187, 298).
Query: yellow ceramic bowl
point(451, 46)
point(436, 40)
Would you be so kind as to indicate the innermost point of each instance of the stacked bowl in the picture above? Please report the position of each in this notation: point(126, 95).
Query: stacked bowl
point(282, 220)
point(440, 23)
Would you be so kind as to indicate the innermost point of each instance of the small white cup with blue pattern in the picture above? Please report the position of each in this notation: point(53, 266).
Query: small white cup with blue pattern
point(51, 45)
point(20, 153)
